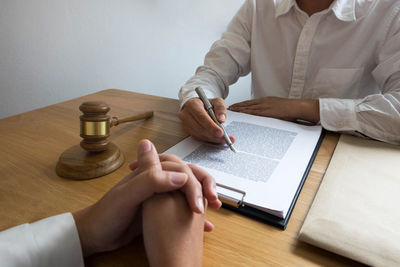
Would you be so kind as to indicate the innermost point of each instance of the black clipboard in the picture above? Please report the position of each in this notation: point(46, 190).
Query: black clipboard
point(269, 218)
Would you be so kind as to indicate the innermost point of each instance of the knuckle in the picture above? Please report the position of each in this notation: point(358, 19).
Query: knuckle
point(193, 104)
point(186, 169)
point(219, 102)
point(155, 177)
point(197, 102)
point(174, 158)
point(195, 183)
point(181, 169)
point(166, 157)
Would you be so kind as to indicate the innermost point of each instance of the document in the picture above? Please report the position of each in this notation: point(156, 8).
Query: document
point(271, 160)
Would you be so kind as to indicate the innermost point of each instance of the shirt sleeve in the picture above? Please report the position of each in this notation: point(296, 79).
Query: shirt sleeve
point(376, 116)
point(53, 241)
point(227, 60)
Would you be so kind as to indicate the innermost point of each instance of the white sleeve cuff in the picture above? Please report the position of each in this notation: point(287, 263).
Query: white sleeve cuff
point(184, 97)
point(53, 241)
point(338, 114)
point(208, 80)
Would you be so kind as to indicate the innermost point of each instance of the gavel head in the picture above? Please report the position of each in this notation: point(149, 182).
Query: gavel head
point(95, 126)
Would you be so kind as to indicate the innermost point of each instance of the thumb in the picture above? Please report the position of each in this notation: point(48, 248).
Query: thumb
point(147, 156)
point(219, 109)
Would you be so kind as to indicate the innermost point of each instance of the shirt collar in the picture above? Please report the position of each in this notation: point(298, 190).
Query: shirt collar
point(283, 6)
point(344, 9)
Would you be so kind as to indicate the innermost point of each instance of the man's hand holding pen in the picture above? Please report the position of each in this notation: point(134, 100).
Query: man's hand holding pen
point(200, 125)
point(210, 110)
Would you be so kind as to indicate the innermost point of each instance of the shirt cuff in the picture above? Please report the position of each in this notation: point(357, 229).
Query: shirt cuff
point(191, 93)
point(338, 114)
point(53, 241)
point(208, 80)
point(186, 96)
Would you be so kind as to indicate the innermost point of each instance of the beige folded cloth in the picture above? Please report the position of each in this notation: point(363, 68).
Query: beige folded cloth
point(356, 212)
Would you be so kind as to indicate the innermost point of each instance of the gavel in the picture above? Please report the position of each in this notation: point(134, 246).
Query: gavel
point(96, 124)
point(95, 156)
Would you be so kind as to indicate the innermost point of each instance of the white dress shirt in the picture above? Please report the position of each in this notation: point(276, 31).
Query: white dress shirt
point(50, 242)
point(347, 56)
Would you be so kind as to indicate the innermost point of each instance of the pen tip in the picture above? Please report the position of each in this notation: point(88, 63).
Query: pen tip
point(232, 148)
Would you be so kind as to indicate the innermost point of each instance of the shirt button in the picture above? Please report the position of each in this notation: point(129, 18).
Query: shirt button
point(339, 124)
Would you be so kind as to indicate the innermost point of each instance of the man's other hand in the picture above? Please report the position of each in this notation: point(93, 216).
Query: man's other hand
point(281, 108)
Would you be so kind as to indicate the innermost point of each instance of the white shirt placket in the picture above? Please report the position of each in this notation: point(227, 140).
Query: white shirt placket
point(302, 56)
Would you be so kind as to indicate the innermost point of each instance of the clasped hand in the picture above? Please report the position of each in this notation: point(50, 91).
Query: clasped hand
point(115, 219)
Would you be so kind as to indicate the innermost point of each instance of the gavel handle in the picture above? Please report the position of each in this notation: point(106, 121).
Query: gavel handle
point(145, 115)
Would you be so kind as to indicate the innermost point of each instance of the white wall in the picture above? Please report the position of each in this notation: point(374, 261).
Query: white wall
point(51, 51)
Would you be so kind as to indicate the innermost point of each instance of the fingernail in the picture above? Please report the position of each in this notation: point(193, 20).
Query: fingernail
point(221, 117)
point(144, 147)
point(200, 204)
point(177, 178)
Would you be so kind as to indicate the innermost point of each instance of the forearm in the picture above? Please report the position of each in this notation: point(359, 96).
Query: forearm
point(172, 233)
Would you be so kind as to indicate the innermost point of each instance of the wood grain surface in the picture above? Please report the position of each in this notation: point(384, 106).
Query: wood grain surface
point(30, 189)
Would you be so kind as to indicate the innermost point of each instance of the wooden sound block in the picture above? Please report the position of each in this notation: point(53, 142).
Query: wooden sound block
point(79, 164)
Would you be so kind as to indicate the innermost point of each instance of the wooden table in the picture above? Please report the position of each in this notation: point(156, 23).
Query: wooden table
point(30, 189)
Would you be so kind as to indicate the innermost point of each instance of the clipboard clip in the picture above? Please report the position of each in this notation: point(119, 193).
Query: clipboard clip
point(230, 200)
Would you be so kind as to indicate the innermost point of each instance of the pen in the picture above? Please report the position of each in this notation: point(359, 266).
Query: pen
point(210, 111)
